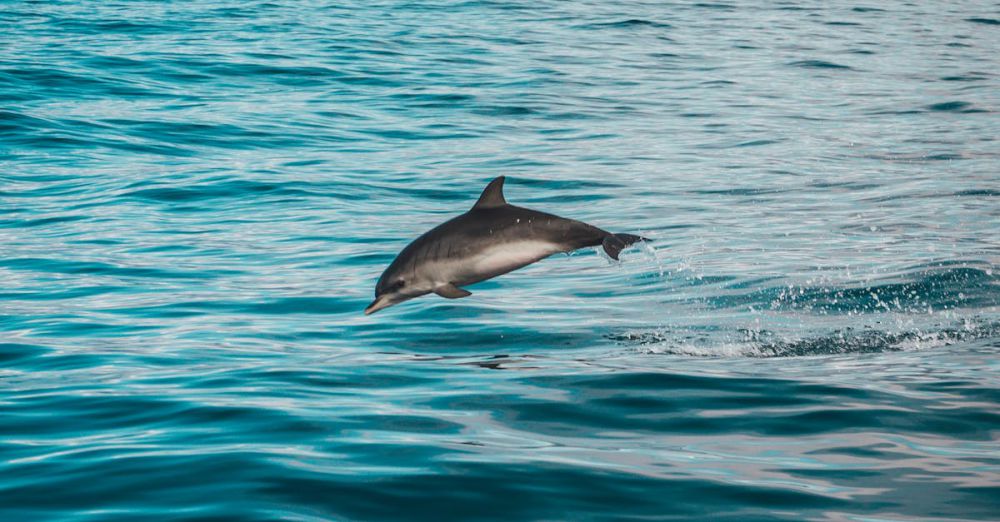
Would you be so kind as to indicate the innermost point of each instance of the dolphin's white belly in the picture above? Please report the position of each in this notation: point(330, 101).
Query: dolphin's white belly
point(504, 257)
point(483, 264)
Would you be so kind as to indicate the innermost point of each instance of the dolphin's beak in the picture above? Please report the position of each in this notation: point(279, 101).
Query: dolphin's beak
point(379, 303)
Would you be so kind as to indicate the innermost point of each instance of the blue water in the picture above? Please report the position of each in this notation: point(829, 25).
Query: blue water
point(196, 199)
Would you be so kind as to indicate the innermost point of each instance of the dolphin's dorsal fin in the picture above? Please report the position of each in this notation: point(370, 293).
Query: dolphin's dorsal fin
point(492, 195)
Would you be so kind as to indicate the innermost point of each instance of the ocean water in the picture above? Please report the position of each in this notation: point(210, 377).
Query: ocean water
point(196, 199)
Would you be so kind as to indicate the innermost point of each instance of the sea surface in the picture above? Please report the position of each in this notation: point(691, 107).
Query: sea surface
point(196, 199)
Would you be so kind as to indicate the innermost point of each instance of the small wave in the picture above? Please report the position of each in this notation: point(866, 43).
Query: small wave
point(229, 189)
point(954, 106)
point(712, 5)
point(627, 24)
point(506, 110)
point(818, 64)
point(841, 341)
point(282, 306)
point(968, 77)
point(930, 288)
point(13, 353)
point(67, 266)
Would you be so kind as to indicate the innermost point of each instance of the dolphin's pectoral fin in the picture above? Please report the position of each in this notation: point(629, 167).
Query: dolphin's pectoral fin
point(614, 243)
point(450, 291)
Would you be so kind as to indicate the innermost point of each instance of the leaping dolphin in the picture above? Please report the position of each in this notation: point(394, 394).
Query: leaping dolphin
point(491, 239)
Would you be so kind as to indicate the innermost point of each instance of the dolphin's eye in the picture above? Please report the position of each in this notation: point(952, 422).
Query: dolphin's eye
point(398, 284)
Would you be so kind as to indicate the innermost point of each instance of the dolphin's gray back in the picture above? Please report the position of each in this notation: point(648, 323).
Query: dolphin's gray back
point(482, 228)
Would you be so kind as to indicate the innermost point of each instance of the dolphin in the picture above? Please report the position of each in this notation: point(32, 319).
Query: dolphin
point(491, 239)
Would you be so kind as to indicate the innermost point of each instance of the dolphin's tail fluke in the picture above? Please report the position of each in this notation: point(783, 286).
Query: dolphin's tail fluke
point(614, 243)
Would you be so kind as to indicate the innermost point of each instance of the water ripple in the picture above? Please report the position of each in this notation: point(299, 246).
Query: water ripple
point(196, 199)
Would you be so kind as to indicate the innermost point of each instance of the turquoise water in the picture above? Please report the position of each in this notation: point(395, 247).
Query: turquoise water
point(196, 199)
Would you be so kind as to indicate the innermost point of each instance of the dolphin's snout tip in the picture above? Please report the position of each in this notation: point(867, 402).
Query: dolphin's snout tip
point(376, 305)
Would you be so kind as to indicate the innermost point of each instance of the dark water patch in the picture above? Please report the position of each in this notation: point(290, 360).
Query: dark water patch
point(514, 163)
point(60, 363)
point(69, 266)
point(540, 185)
point(968, 77)
point(434, 100)
point(895, 112)
point(984, 21)
point(106, 62)
point(59, 295)
point(12, 354)
point(233, 189)
point(647, 384)
point(202, 134)
point(88, 329)
point(414, 135)
point(269, 56)
point(248, 417)
point(289, 75)
point(757, 143)
point(303, 305)
point(714, 5)
point(41, 222)
point(975, 193)
point(741, 191)
point(288, 305)
point(342, 114)
point(954, 106)
point(70, 141)
point(101, 26)
point(48, 77)
point(627, 24)
point(943, 157)
point(407, 424)
point(478, 340)
point(849, 186)
point(323, 380)
point(569, 199)
point(173, 310)
point(38, 83)
point(99, 412)
point(818, 64)
point(506, 110)
point(13, 121)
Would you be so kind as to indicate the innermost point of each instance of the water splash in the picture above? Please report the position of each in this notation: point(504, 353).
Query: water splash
point(764, 343)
